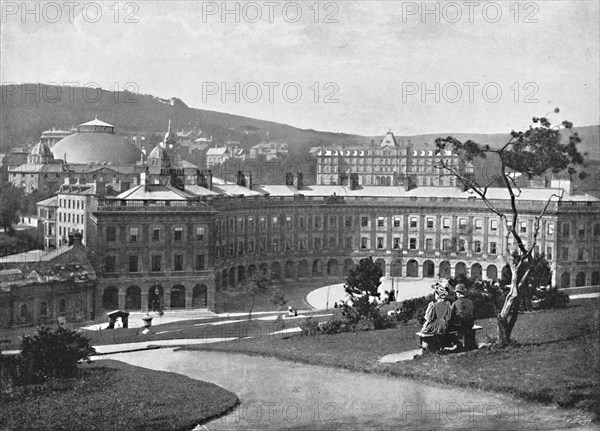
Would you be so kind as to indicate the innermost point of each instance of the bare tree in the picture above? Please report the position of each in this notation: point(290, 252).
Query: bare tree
point(531, 153)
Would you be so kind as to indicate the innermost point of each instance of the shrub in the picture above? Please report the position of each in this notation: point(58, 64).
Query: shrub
point(53, 353)
point(310, 326)
point(414, 308)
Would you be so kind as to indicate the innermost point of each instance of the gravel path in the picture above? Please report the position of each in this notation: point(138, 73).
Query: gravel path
point(285, 395)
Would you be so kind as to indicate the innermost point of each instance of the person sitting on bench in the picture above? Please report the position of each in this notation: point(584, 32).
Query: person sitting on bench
point(462, 319)
point(437, 315)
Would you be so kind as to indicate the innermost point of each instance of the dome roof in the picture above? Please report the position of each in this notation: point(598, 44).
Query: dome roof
point(96, 147)
point(41, 150)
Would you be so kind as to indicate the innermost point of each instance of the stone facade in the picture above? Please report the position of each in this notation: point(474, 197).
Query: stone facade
point(312, 233)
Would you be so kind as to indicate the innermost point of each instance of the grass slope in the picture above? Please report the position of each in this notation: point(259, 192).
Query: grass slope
point(557, 359)
point(110, 395)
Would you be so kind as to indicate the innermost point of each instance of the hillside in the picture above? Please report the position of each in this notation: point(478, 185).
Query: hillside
point(24, 116)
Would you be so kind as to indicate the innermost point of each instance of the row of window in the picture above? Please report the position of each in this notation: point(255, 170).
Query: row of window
point(156, 263)
point(72, 203)
point(66, 218)
point(334, 222)
point(156, 233)
point(583, 253)
point(581, 230)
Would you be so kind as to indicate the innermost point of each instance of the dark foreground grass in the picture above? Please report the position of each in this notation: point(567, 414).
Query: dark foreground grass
point(110, 395)
point(556, 358)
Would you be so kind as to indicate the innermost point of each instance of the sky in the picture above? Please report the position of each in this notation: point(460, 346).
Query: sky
point(353, 67)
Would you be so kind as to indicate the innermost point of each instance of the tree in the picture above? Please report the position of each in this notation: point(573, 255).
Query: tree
point(362, 285)
point(531, 153)
point(259, 284)
point(10, 202)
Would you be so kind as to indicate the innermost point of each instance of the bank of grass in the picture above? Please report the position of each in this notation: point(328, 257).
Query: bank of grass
point(238, 300)
point(556, 358)
point(110, 395)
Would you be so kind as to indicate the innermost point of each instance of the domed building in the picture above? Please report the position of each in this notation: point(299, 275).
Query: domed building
point(96, 142)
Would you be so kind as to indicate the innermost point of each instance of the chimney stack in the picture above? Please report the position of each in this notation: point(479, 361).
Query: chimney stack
point(241, 179)
point(299, 180)
point(289, 179)
point(353, 181)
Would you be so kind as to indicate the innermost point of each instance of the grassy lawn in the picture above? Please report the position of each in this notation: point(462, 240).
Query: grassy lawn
point(294, 291)
point(110, 395)
point(556, 361)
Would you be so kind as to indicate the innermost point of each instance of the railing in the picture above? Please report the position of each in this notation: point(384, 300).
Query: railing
point(427, 201)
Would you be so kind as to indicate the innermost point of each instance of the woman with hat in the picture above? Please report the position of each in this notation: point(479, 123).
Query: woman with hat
point(438, 312)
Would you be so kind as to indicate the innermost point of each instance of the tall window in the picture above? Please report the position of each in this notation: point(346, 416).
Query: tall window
point(317, 243)
point(109, 263)
point(200, 233)
point(364, 221)
point(565, 253)
point(549, 253)
point(413, 243)
point(413, 222)
point(550, 228)
point(461, 245)
point(478, 224)
point(494, 225)
point(199, 262)
point(364, 242)
point(275, 222)
point(477, 246)
point(178, 262)
point(379, 242)
point(111, 233)
point(445, 244)
point(134, 234)
point(446, 223)
point(462, 223)
point(429, 244)
point(348, 221)
point(396, 221)
point(523, 228)
point(156, 263)
point(380, 222)
point(566, 230)
point(156, 234)
point(396, 242)
point(429, 223)
point(493, 248)
point(133, 264)
point(178, 234)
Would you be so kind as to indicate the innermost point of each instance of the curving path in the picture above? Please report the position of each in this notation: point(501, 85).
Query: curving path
point(279, 394)
point(406, 288)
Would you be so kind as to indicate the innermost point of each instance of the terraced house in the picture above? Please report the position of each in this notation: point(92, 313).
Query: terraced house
point(179, 246)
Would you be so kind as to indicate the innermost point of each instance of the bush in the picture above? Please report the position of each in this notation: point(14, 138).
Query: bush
point(52, 353)
point(414, 309)
point(551, 298)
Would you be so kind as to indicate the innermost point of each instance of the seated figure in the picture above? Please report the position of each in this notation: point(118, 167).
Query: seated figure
point(438, 312)
point(462, 319)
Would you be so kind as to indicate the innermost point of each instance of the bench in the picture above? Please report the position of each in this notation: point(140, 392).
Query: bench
point(423, 335)
point(436, 342)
